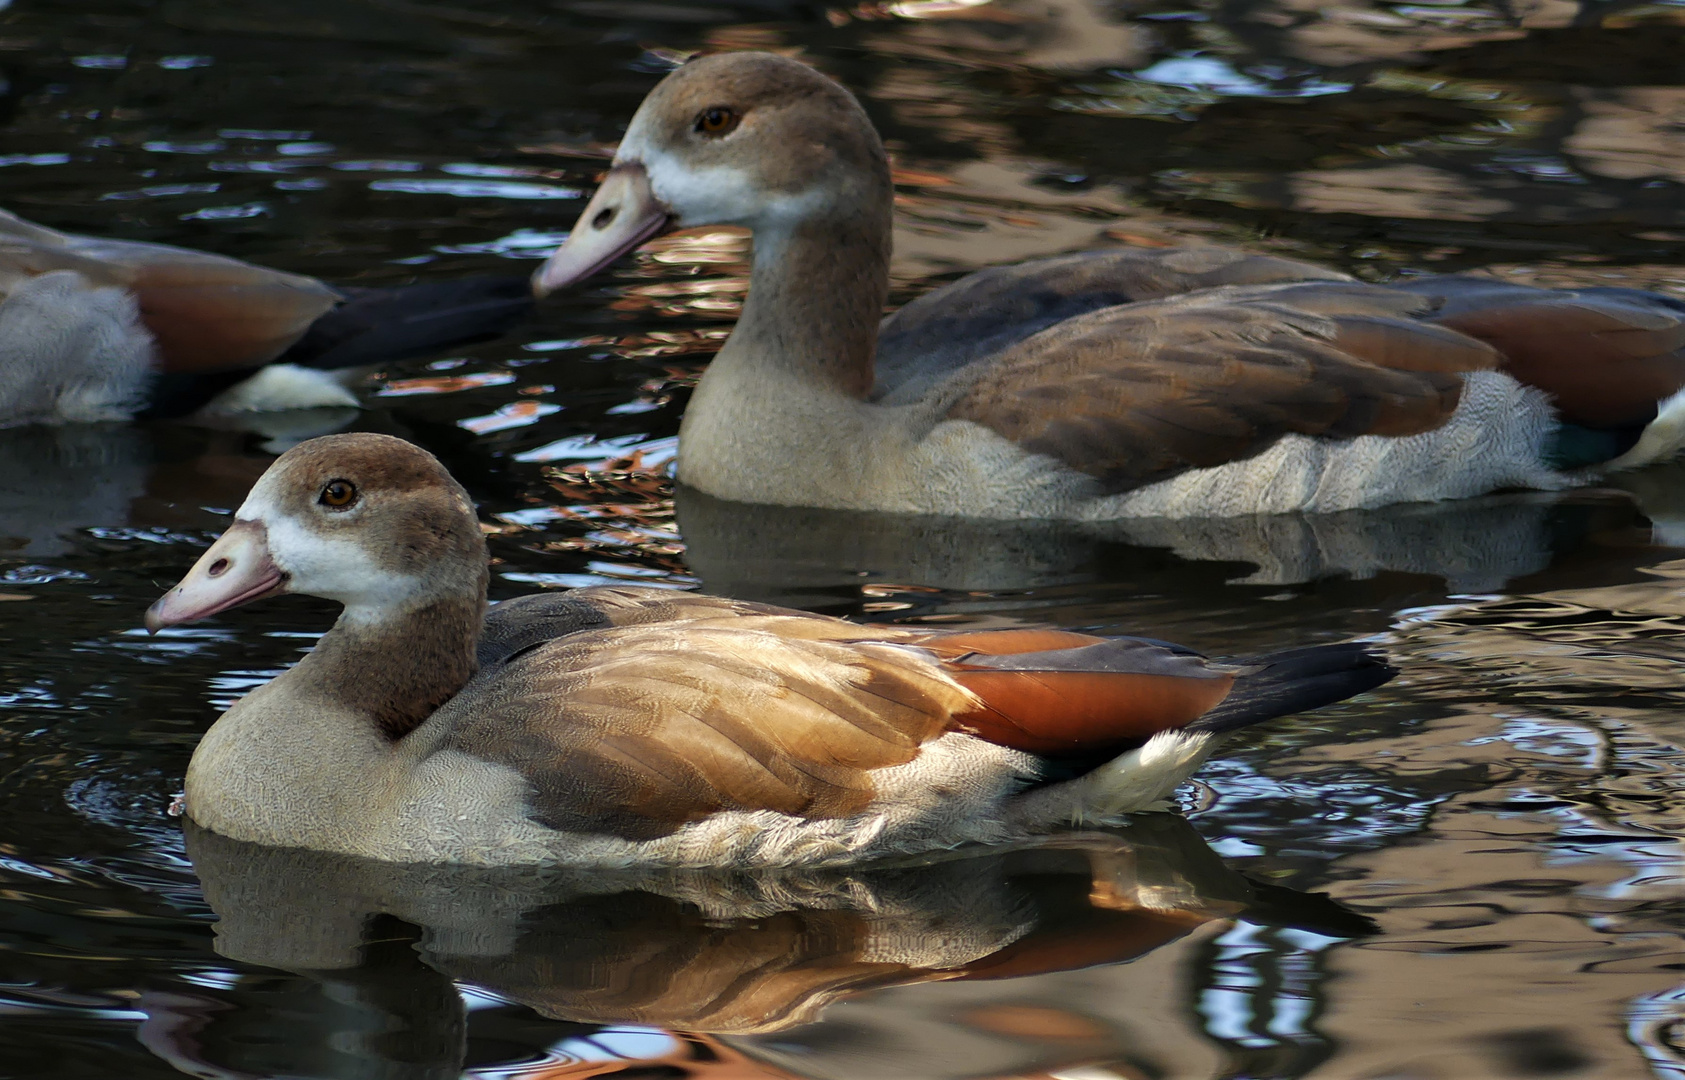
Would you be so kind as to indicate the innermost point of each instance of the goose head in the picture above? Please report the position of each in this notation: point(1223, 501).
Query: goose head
point(750, 139)
point(371, 521)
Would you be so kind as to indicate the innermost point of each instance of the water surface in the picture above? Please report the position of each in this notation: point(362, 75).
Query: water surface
point(1473, 872)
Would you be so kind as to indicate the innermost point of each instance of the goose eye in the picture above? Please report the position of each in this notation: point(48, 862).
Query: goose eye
point(338, 494)
point(717, 121)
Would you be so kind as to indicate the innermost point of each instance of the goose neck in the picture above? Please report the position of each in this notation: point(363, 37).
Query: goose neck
point(816, 292)
point(397, 670)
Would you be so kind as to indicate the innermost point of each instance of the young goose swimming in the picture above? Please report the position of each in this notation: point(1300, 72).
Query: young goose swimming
point(94, 329)
point(1184, 383)
point(641, 726)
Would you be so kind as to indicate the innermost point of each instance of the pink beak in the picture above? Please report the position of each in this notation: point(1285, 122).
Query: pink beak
point(621, 215)
point(234, 570)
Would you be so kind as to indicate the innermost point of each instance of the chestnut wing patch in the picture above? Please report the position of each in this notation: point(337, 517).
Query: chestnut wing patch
point(1064, 695)
point(1139, 393)
point(636, 731)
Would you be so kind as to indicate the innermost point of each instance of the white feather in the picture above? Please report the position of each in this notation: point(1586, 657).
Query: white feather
point(1661, 439)
point(285, 386)
point(71, 352)
point(1142, 779)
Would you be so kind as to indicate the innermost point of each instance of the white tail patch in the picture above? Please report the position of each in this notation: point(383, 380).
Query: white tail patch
point(1142, 779)
point(284, 386)
point(1662, 438)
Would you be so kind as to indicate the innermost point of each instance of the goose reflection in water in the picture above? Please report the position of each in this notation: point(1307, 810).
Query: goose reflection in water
point(796, 555)
point(57, 480)
point(718, 961)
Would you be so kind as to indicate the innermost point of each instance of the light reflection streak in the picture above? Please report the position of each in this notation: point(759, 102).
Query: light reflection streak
point(1654, 1024)
point(1556, 739)
point(215, 980)
point(476, 189)
point(523, 243)
point(590, 447)
point(445, 384)
point(513, 415)
point(14, 1007)
point(1264, 986)
point(36, 574)
point(621, 1042)
point(1336, 810)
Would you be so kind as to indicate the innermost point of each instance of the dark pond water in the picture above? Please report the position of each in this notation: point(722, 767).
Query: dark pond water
point(1474, 872)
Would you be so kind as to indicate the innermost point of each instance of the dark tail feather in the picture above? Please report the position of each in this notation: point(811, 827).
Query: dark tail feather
point(379, 326)
point(1296, 680)
point(373, 326)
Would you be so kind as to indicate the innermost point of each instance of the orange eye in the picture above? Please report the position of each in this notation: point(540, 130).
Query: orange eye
point(718, 120)
point(338, 494)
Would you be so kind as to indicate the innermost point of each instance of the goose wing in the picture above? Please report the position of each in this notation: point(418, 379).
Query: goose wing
point(1141, 392)
point(636, 730)
point(991, 310)
point(526, 622)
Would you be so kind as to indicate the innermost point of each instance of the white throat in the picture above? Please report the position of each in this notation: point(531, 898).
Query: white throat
point(718, 194)
point(333, 567)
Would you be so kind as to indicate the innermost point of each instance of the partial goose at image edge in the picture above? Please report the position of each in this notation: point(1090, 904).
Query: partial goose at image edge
point(97, 330)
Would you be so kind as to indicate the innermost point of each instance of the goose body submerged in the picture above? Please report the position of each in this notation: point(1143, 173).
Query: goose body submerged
point(94, 329)
point(1184, 383)
point(633, 726)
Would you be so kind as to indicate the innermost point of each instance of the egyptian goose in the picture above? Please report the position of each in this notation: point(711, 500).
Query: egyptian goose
point(1186, 383)
point(94, 329)
point(641, 726)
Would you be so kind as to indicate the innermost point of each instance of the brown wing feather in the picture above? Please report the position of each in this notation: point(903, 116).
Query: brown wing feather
point(1070, 713)
point(216, 318)
point(991, 310)
point(1001, 296)
point(1139, 393)
point(633, 605)
point(207, 312)
point(637, 730)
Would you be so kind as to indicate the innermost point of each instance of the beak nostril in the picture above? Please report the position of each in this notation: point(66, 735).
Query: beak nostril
point(218, 568)
point(604, 217)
